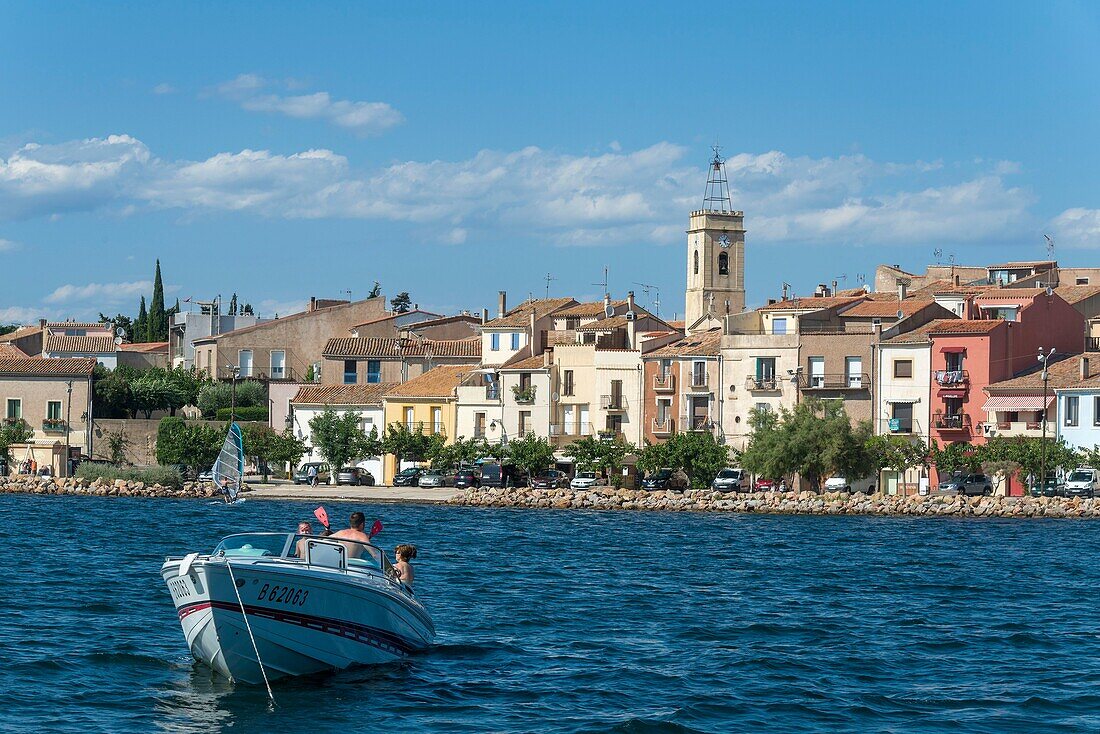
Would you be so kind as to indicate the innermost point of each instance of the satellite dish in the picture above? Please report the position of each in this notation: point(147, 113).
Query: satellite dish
point(120, 331)
point(555, 397)
point(1050, 291)
point(609, 310)
point(118, 340)
point(631, 316)
point(900, 314)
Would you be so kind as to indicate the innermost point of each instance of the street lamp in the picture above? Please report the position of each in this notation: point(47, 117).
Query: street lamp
point(68, 414)
point(1045, 359)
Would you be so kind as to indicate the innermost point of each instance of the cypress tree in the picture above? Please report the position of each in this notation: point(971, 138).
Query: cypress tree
point(141, 324)
point(158, 319)
point(233, 305)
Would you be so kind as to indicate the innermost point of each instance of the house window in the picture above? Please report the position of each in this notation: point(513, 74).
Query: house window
point(53, 410)
point(853, 369)
point(479, 425)
point(954, 361)
point(567, 383)
point(244, 361)
point(409, 423)
point(374, 370)
point(524, 380)
point(1071, 410)
point(437, 420)
point(1082, 281)
point(952, 406)
point(696, 262)
point(15, 409)
point(349, 372)
point(903, 368)
point(524, 422)
point(515, 341)
point(902, 418)
point(765, 369)
point(723, 264)
point(494, 342)
point(664, 411)
point(616, 394)
point(666, 368)
point(764, 407)
point(698, 374)
point(1096, 411)
point(817, 372)
point(779, 326)
point(589, 337)
point(316, 371)
point(278, 364)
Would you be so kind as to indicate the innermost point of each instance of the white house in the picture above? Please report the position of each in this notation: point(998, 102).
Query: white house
point(1078, 408)
point(364, 399)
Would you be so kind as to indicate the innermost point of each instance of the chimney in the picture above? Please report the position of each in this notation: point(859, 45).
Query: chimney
point(41, 323)
point(312, 304)
point(502, 303)
point(630, 300)
point(903, 289)
point(531, 333)
point(606, 301)
point(822, 290)
point(956, 279)
point(484, 315)
point(771, 301)
point(1085, 368)
point(785, 287)
point(833, 292)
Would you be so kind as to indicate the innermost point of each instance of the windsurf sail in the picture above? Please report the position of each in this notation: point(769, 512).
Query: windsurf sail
point(229, 468)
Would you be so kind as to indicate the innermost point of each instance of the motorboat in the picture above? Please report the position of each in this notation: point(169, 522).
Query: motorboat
point(295, 605)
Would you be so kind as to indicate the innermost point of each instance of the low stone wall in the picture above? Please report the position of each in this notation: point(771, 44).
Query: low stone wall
point(106, 488)
point(801, 503)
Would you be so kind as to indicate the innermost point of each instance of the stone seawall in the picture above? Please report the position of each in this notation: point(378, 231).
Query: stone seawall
point(777, 503)
point(106, 488)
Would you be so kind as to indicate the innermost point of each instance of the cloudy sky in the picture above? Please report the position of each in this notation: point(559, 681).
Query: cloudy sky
point(456, 150)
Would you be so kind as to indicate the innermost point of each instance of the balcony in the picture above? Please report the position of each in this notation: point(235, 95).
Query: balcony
point(1092, 344)
point(613, 403)
point(563, 434)
point(952, 378)
point(492, 392)
point(54, 425)
point(664, 383)
point(762, 384)
point(664, 427)
point(899, 427)
point(699, 382)
point(1033, 429)
point(948, 423)
point(839, 381)
point(524, 394)
point(696, 423)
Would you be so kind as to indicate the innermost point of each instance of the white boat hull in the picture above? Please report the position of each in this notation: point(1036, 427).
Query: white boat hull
point(303, 620)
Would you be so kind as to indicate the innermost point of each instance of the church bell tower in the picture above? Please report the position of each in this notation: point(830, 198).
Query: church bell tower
point(715, 252)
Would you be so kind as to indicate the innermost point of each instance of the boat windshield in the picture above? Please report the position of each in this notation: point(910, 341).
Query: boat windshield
point(253, 544)
point(273, 545)
point(358, 553)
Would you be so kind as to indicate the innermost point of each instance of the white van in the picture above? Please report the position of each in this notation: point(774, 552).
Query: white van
point(1081, 482)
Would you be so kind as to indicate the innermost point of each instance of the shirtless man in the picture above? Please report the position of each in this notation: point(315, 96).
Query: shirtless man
point(357, 521)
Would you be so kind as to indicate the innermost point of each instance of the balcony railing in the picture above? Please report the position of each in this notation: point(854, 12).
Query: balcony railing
point(664, 383)
point(424, 426)
point(762, 383)
point(492, 392)
point(524, 394)
point(699, 382)
point(1092, 344)
point(958, 422)
point(567, 432)
point(947, 378)
point(839, 381)
point(54, 425)
point(900, 427)
point(664, 427)
point(696, 423)
point(615, 403)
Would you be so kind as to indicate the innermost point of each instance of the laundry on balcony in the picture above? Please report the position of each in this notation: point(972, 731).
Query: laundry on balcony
point(951, 377)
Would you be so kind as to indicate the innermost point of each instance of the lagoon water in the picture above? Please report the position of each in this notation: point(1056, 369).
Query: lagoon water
point(559, 621)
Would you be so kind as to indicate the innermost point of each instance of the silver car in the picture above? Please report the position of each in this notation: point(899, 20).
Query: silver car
point(729, 480)
point(584, 480)
point(433, 479)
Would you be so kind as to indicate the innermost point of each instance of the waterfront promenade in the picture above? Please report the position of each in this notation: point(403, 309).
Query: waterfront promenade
point(287, 491)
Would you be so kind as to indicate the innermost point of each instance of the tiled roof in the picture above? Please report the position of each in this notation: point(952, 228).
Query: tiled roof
point(887, 308)
point(62, 367)
point(1065, 372)
point(369, 394)
point(615, 322)
point(10, 350)
point(677, 324)
point(105, 325)
point(963, 326)
point(391, 316)
point(1076, 293)
point(530, 363)
point(705, 344)
point(271, 323)
point(811, 303)
point(521, 314)
point(1011, 293)
point(439, 382)
point(921, 333)
point(94, 344)
point(145, 347)
point(946, 287)
point(1022, 264)
point(19, 333)
point(388, 347)
point(857, 292)
point(592, 308)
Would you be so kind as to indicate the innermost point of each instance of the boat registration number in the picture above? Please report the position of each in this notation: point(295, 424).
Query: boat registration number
point(283, 595)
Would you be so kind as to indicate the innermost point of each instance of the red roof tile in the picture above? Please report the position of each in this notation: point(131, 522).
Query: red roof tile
point(61, 367)
point(388, 347)
point(368, 394)
point(94, 344)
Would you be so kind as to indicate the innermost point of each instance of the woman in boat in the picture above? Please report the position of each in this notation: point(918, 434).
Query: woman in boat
point(403, 569)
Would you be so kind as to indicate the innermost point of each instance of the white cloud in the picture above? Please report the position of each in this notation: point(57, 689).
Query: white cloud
point(19, 315)
point(102, 292)
point(1077, 227)
point(252, 93)
point(8, 245)
point(639, 196)
point(164, 88)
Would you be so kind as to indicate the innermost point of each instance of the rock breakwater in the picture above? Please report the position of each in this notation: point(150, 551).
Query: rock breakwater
point(781, 503)
point(105, 488)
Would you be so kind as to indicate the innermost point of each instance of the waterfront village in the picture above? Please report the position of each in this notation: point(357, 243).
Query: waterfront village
point(902, 385)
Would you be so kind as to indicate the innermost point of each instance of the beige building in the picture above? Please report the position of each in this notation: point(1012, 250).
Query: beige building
point(349, 361)
point(284, 348)
point(52, 396)
point(417, 323)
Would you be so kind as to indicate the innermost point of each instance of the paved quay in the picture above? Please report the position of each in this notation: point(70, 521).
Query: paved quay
point(286, 491)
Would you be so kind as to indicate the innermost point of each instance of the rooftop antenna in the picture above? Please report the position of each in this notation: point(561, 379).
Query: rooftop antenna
point(549, 278)
point(646, 288)
point(716, 197)
point(348, 291)
point(1050, 256)
point(938, 254)
point(604, 283)
point(861, 278)
point(786, 287)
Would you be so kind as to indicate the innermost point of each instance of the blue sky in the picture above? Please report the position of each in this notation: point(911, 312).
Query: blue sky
point(288, 150)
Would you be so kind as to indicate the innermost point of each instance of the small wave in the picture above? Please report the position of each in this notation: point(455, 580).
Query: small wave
point(469, 650)
point(642, 726)
point(130, 659)
point(97, 608)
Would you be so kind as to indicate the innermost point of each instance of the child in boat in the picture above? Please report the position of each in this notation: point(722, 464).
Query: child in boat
point(403, 569)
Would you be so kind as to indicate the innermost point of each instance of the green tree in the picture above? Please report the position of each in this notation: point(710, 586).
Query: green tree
point(157, 330)
point(375, 291)
point(697, 454)
point(310, 376)
point(339, 437)
point(954, 457)
point(896, 453)
point(287, 449)
point(401, 303)
point(607, 456)
point(233, 305)
point(531, 453)
point(15, 432)
point(404, 444)
point(119, 322)
point(152, 390)
point(172, 435)
point(141, 324)
point(112, 392)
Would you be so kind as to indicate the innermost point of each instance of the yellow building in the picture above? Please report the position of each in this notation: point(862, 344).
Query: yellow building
point(425, 403)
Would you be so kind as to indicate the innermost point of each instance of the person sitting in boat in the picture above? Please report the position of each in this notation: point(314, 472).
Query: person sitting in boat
point(403, 569)
point(304, 528)
point(357, 521)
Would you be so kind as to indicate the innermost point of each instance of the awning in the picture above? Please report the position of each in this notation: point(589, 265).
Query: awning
point(952, 394)
point(952, 350)
point(902, 401)
point(1012, 403)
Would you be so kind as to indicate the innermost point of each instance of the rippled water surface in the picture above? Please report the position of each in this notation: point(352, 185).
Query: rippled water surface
point(581, 622)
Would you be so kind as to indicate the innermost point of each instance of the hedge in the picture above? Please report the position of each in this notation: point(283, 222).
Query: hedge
point(255, 413)
point(166, 476)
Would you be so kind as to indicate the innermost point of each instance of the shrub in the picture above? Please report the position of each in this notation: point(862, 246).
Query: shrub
point(247, 413)
point(166, 476)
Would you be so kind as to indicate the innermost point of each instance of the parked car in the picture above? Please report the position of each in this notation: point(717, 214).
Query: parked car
point(508, 475)
point(302, 475)
point(728, 480)
point(409, 477)
point(764, 485)
point(837, 484)
point(355, 475)
point(549, 479)
point(967, 484)
point(1053, 487)
point(433, 478)
point(206, 476)
point(584, 480)
point(467, 478)
point(664, 479)
point(1081, 482)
